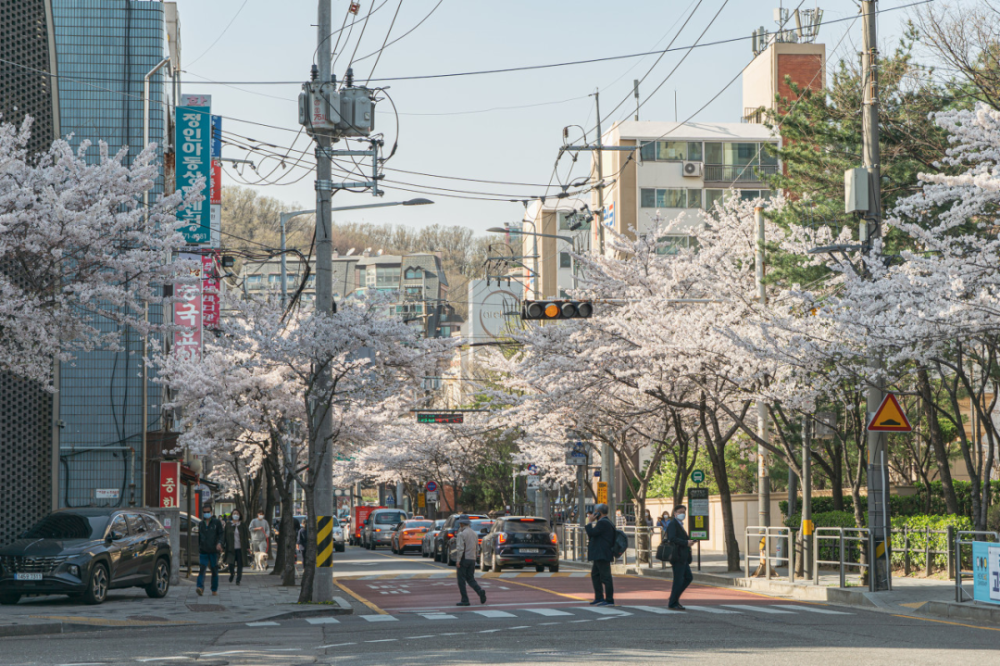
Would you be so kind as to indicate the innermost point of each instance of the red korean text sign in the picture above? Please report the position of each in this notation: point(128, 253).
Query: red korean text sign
point(170, 485)
point(210, 307)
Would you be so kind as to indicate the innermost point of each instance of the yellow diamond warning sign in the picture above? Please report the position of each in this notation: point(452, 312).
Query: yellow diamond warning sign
point(890, 417)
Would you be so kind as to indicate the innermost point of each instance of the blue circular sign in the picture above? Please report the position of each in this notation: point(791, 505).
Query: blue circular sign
point(532, 469)
point(431, 486)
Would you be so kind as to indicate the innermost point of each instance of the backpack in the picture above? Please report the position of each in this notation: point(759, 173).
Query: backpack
point(619, 545)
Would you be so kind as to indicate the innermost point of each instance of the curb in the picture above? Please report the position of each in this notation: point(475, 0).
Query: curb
point(957, 611)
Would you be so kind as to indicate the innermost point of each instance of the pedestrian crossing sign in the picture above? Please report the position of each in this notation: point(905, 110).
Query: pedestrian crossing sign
point(889, 417)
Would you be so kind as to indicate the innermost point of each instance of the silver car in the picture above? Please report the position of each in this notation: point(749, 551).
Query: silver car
point(379, 527)
point(338, 537)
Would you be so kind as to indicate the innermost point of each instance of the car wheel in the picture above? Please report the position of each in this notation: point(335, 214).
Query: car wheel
point(97, 585)
point(437, 555)
point(554, 568)
point(9, 598)
point(482, 563)
point(339, 548)
point(539, 568)
point(157, 589)
point(496, 565)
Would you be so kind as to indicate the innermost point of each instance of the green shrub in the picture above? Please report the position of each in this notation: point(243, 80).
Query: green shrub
point(915, 530)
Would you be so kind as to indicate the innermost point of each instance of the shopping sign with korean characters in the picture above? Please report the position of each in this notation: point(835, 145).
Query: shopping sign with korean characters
point(193, 140)
point(170, 485)
point(189, 310)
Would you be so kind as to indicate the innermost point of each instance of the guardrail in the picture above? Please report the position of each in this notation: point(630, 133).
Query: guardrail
point(905, 548)
point(767, 534)
point(642, 542)
point(960, 593)
point(843, 535)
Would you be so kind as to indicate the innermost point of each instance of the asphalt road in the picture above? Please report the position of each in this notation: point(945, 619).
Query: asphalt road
point(406, 616)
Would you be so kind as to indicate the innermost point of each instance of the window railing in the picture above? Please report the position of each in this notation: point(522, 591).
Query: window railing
point(726, 173)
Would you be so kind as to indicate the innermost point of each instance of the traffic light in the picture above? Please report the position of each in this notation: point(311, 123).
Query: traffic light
point(548, 310)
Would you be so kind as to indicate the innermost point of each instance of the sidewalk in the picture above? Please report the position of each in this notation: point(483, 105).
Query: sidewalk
point(910, 595)
point(258, 598)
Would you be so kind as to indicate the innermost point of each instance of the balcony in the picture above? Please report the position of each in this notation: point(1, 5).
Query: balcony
point(725, 173)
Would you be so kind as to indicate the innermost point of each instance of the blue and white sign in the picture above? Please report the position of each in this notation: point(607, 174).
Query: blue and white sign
point(986, 572)
point(431, 486)
point(216, 137)
point(193, 140)
point(609, 215)
point(533, 469)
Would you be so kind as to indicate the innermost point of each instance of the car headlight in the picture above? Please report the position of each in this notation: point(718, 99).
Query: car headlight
point(73, 570)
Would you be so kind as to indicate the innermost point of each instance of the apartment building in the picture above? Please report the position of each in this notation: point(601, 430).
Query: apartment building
point(563, 229)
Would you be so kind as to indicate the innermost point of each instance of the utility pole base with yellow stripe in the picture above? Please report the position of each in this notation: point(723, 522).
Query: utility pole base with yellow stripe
point(324, 542)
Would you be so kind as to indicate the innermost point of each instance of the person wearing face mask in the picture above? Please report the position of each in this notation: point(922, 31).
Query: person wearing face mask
point(237, 541)
point(210, 536)
point(260, 532)
point(680, 558)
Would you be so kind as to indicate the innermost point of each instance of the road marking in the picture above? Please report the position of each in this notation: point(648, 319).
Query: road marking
point(508, 575)
point(547, 624)
point(493, 613)
point(410, 638)
point(521, 627)
point(957, 624)
point(759, 609)
point(711, 609)
point(659, 610)
point(322, 620)
point(490, 631)
point(542, 589)
point(438, 616)
point(379, 618)
point(375, 577)
point(578, 575)
point(604, 610)
point(543, 575)
point(450, 607)
point(578, 621)
point(219, 654)
point(547, 612)
point(383, 640)
point(812, 609)
point(262, 624)
point(145, 659)
point(360, 598)
point(323, 647)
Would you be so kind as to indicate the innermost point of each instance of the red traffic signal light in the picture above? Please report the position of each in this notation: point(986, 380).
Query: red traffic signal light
point(550, 310)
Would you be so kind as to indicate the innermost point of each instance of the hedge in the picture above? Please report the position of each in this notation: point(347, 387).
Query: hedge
point(911, 505)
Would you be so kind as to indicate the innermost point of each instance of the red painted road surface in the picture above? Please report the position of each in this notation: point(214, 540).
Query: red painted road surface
point(400, 594)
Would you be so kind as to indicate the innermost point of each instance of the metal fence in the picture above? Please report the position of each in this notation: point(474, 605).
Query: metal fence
point(851, 549)
point(100, 476)
point(642, 545)
point(771, 535)
point(960, 594)
point(907, 542)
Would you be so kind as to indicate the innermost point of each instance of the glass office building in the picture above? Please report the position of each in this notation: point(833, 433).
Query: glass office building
point(104, 49)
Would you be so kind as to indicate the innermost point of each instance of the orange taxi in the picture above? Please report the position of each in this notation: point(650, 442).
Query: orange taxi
point(409, 535)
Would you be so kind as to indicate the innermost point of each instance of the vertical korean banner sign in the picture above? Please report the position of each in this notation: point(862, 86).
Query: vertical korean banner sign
point(189, 310)
point(170, 484)
point(210, 293)
point(194, 145)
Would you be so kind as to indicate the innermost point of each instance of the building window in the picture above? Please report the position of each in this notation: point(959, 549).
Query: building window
point(274, 280)
point(361, 278)
point(722, 196)
point(563, 294)
point(714, 196)
point(671, 151)
point(385, 278)
point(670, 245)
point(739, 161)
point(255, 281)
point(311, 281)
point(648, 151)
point(694, 151)
point(565, 261)
point(413, 273)
point(670, 198)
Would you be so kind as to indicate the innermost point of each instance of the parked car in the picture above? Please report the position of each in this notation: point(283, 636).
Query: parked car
point(361, 514)
point(442, 551)
point(379, 527)
point(409, 535)
point(427, 543)
point(518, 542)
point(184, 539)
point(338, 537)
point(86, 552)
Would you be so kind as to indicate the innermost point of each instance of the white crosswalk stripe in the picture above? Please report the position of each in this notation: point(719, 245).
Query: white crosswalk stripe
point(262, 624)
point(712, 609)
point(494, 613)
point(322, 620)
point(547, 612)
point(811, 609)
point(658, 610)
point(603, 610)
point(437, 616)
point(379, 618)
point(759, 609)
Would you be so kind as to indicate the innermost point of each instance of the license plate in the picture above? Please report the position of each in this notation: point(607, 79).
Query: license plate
point(529, 551)
point(27, 576)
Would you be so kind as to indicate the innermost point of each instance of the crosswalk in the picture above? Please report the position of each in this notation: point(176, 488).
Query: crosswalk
point(566, 612)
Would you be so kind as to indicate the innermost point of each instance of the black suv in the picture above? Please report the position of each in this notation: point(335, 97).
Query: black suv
point(444, 538)
point(86, 552)
point(520, 541)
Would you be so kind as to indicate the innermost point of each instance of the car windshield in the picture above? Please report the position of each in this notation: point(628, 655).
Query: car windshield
point(389, 518)
point(480, 525)
point(417, 523)
point(68, 526)
point(526, 526)
point(438, 524)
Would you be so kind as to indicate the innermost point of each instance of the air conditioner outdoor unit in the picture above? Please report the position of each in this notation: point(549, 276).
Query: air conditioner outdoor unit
point(692, 169)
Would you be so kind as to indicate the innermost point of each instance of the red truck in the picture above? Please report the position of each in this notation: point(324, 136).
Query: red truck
point(358, 522)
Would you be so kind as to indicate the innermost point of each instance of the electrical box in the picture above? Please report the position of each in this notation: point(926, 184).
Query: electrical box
point(357, 112)
point(856, 191)
point(319, 108)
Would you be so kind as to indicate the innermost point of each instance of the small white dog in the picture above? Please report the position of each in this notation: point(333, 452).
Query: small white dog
point(260, 556)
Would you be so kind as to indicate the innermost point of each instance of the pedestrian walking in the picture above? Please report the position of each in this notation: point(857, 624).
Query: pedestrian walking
point(210, 537)
point(301, 539)
point(466, 542)
point(620, 520)
point(601, 533)
point(237, 540)
point(260, 532)
point(680, 558)
point(649, 519)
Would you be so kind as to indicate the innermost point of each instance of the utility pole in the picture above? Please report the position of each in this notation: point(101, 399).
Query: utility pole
point(600, 174)
point(806, 496)
point(763, 480)
point(323, 479)
point(635, 90)
point(871, 229)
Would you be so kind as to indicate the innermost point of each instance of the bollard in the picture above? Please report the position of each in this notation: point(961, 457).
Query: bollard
point(843, 579)
point(927, 552)
point(906, 551)
point(813, 567)
point(950, 538)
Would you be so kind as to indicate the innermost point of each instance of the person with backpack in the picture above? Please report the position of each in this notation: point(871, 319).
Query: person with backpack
point(680, 557)
point(600, 551)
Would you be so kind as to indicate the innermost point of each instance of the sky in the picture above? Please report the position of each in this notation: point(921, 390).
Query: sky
point(497, 127)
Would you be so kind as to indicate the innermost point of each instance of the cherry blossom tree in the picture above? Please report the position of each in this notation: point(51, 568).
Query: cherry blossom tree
point(78, 248)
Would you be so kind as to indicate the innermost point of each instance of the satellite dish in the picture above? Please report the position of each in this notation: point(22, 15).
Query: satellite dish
point(379, 253)
point(349, 252)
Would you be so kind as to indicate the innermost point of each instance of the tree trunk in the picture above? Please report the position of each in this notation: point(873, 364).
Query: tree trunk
point(718, 459)
point(309, 559)
point(936, 439)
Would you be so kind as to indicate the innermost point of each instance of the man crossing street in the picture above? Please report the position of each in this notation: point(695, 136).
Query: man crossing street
point(467, 542)
point(601, 532)
point(210, 540)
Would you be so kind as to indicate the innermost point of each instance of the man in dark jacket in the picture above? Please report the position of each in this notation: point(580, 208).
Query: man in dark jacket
point(680, 558)
point(237, 538)
point(210, 539)
point(301, 539)
point(601, 532)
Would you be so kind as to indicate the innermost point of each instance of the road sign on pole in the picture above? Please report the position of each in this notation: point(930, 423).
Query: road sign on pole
point(421, 500)
point(602, 492)
point(698, 476)
point(698, 512)
point(431, 486)
point(889, 417)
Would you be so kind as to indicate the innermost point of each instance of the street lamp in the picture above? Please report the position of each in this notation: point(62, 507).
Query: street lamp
point(283, 219)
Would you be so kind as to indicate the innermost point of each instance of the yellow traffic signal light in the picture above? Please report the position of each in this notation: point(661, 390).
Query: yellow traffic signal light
point(561, 309)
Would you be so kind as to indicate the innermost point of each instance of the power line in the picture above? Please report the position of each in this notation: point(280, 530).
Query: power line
point(228, 25)
point(384, 41)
